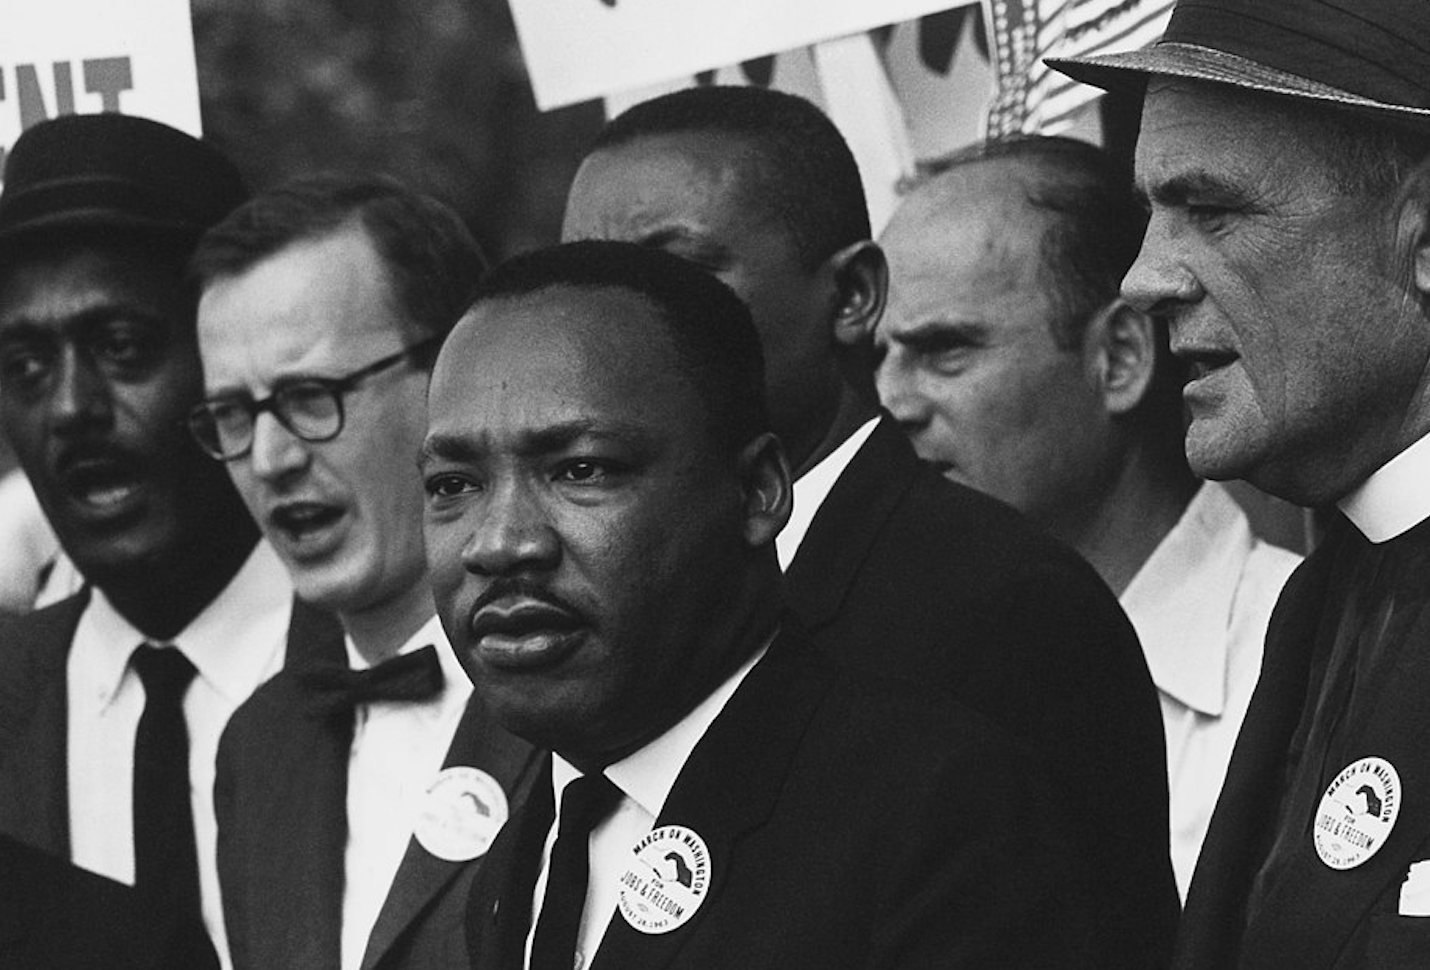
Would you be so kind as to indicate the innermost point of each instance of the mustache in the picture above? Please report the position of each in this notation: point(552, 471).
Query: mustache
point(520, 587)
point(83, 453)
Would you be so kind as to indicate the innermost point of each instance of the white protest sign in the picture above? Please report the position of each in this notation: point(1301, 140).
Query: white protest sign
point(62, 57)
point(581, 49)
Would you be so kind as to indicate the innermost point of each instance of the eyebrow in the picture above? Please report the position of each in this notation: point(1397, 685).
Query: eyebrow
point(1176, 190)
point(87, 319)
point(930, 331)
point(467, 448)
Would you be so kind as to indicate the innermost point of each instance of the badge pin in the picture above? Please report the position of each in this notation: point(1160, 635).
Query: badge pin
point(1357, 813)
point(462, 812)
point(666, 881)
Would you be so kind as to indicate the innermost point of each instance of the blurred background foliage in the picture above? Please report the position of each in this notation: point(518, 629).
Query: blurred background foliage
point(430, 91)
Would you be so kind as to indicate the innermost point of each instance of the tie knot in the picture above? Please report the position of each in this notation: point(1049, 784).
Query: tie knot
point(586, 802)
point(164, 671)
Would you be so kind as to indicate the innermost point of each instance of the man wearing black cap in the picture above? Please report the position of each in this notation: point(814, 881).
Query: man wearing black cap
point(111, 702)
point(1285, 152)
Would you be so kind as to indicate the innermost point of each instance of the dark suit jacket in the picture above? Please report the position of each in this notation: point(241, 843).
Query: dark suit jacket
point(281, 801)
point(1315, 917)
point(905, 573)
point(852, 821)
point(34, 648)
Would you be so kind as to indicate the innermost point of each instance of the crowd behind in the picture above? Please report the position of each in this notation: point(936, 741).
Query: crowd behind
point(723, 586)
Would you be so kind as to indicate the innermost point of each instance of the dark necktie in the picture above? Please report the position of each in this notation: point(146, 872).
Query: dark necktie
point(166, 865)
point(584, 804)
point(336, 688)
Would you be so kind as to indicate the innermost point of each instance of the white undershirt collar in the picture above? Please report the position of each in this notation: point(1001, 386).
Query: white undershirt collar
point(1395, 498)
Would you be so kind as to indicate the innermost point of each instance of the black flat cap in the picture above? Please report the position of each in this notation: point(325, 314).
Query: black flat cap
point(114, 171)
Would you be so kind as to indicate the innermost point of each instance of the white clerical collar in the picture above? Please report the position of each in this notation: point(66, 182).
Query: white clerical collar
point(646, 776)
point(1395, 498)
point(813, 487)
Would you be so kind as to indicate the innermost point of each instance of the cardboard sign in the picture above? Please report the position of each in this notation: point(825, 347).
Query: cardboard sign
point(62, 57)
point(576, 50)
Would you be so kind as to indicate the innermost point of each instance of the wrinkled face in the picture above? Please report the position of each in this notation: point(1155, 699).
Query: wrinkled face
point(584, 528)
point(97, 368)
point(1280, 291)
point(345, 515)
point(688, 195)
point(968, 362)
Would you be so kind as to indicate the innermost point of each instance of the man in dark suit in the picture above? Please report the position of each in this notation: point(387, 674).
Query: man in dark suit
point(356, 795)
point(1285, 151)
point(603, 497)
point(112, 702)
point(892, 568)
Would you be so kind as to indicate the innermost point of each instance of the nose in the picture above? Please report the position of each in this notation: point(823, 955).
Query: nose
point(82, 396)
point(277, 454)
point(897, 384)
point(512, 534)
point(1158, 279)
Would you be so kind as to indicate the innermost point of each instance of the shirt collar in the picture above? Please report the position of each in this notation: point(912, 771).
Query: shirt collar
point(646, 776)
point(1395, 498)
point(813, 487)
point(231, 643)
point(1180, 600)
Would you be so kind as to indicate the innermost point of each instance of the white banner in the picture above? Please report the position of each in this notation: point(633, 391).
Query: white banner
point(61, 57)
point(576, 50)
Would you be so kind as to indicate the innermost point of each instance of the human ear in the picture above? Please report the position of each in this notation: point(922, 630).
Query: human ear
point(768, 490)
point(861, 283)
point(1123, 342)
point(1413, 227)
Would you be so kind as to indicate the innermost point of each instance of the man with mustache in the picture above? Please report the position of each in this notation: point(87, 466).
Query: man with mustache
point(603, 495)
point(355, 796)
point(891, 567)
point(112, 701)
point(1284, 151)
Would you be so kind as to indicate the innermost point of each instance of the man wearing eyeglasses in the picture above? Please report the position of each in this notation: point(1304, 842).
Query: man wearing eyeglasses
point(355, 796)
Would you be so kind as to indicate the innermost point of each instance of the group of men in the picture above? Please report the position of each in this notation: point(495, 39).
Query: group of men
point(669, 651)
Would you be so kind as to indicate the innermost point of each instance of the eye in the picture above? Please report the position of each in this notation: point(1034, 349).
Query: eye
point(23, 365)
point(125, 345)
point(447, 486)
point(582, 471)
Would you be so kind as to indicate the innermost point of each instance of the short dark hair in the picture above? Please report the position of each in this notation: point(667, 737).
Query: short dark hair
point(1097, 221)
point(801, 166)
point(716, 345)
point(433, 260)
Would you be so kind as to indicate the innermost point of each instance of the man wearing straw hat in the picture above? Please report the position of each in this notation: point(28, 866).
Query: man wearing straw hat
point(1285, 153)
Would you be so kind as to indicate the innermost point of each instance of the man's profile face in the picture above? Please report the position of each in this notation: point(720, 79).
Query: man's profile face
point(345, 515)
point(969, 364)
point(690, 194)
point(583, 525)
point(1280, 290)
point(98, 367)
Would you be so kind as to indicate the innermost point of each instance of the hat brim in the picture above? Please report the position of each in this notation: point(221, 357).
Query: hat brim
point(1129, 72)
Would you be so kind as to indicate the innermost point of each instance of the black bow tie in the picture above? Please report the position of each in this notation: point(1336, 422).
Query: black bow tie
point(334, 688)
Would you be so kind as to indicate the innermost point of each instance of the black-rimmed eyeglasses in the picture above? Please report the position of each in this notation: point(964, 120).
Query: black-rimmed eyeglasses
point(310, 407)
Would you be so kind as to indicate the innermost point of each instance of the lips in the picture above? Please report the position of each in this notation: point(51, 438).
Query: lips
point(102, 485)
point(524, 632)
point(306, 527)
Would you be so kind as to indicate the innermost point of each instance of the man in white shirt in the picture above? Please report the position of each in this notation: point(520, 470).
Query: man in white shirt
point(1284, 150)
point(1013, 366)
point(889, 566)
point(355, 796)
point(115, 698)
point(603, 497)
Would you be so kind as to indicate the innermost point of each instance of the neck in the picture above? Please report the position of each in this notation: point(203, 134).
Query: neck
point(1128, 519)
point(854, 410)
point(379, 631)
point(165, 598)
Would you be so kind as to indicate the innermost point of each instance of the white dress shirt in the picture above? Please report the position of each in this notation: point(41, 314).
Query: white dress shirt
point(813, 488)
point(397, 751)
point(235, 644)
point(645, 779)
point(1200, 605)
point(1394, 499)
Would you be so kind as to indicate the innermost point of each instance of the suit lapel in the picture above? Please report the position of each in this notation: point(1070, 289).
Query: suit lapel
point(729, 786)
point(34, 781)
point(848, 522)
point(500, 916)
point(478, 742)
point(1312, 924)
